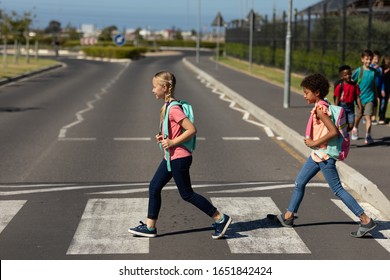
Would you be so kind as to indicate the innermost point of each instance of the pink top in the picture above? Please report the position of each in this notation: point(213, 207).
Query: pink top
point(175, 116)
point(319, 130)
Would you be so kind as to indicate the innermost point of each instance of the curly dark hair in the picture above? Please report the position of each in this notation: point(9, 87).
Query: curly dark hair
point(316, 83)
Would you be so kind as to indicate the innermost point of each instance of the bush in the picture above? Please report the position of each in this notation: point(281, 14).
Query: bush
point(115, 52)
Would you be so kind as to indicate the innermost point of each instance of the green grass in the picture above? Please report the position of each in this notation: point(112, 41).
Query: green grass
point(11, 69)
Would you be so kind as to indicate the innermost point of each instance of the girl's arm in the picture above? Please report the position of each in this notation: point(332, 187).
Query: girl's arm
point(327, 137)
point(189, 131)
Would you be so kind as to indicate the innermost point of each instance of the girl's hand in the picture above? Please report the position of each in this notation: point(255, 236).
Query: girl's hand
point(166, 143)
point(309, 142)
point(159, 138)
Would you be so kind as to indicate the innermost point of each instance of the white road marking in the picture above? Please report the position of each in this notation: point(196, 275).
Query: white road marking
point(241, 138)
point(77, 139)
point(8, 209)
point(255, 186)
point(97, 97)
point(266, 188)
point(58, 188)
point(233, 105)
point(132, 139)
point(173, 186)
point(103, 227)
point(252, 233)
point(381, 233)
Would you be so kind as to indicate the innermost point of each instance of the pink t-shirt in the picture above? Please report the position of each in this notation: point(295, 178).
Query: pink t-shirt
point(175, 116)
point(319, 130)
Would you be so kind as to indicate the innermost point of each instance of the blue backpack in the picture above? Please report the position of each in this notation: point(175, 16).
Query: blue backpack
point(189, 144)
point(338, 147)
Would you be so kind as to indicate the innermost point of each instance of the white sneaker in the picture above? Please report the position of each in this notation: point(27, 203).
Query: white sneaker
point(354, 134)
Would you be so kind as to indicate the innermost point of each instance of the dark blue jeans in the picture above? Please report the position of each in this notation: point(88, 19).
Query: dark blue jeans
point(181, 174)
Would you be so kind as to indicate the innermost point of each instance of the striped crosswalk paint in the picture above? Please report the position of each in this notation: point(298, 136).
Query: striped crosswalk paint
point(9, 208)
point(103, 227)
point(252, 233)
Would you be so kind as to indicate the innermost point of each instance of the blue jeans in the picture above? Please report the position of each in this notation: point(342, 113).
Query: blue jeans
point(349, 109)
point(383, 106)
point(181, 174)
point(328, 169)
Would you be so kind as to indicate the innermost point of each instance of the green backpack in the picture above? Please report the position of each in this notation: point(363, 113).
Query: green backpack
point(189, 144)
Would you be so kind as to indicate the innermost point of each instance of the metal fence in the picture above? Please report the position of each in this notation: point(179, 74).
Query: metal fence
point(335, 34)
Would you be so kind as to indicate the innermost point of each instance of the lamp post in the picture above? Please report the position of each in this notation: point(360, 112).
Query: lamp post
point(198, 35)
point(218, 22)
point(287, 72)
point(251, 25)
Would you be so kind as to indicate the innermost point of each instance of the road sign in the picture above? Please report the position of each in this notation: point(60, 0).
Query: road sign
point(218, 21)
point(119, 40)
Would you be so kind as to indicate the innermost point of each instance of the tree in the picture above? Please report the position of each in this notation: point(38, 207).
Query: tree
point(20, 24)
point(53, 28)
point(106, 34)
point(72, 32)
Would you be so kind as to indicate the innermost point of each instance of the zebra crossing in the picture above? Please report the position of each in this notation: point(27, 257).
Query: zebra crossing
point(101, 229)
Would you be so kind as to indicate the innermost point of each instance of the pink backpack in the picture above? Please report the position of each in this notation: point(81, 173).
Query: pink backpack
point(338, 147)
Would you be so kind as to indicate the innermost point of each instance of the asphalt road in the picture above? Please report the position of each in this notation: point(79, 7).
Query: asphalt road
point(78, 152)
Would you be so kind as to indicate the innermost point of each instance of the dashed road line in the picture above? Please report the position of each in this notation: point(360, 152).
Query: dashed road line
point(233, 105)
point(132, 139)
point(241, 138)
point(98, 96)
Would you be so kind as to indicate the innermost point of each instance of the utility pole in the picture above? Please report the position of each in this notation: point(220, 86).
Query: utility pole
point(287, 71)
point(198, 35)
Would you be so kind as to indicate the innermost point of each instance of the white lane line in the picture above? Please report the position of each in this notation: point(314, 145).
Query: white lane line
point(381, 233)
point(252, 233)
point(253, 186)
point(8, 209)
point(132, 139)
point(34, 185)
point(173, 187)
point(103, 227)
point(241, 138)
point(272, 187)
point(143, 187)
point(77, 139)
point(89, 104)
point(70, 188)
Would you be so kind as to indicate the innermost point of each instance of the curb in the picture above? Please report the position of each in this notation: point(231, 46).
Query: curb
point(28, 74)
point(364, 188)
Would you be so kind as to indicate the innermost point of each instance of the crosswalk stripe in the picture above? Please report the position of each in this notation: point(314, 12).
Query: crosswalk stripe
point(252, 232)
point(380, 234)
point(9, 208)
point(103, 227)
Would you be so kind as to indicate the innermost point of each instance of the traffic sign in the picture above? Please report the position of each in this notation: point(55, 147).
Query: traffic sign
point(119, 40)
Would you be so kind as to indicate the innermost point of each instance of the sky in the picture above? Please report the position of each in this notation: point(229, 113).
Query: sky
point(146, 14)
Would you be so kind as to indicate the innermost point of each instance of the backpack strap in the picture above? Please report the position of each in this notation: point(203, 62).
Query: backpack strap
point(309, 129)
point(165, 133)
point(360, 77)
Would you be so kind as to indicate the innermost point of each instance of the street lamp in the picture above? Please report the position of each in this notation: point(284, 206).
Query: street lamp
point(287, 72)
point(198, 35)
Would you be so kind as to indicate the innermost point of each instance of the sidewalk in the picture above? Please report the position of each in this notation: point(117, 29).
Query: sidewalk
point(365, 169)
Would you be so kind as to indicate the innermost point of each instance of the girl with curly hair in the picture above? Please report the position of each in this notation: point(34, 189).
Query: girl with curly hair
point(315, 88)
